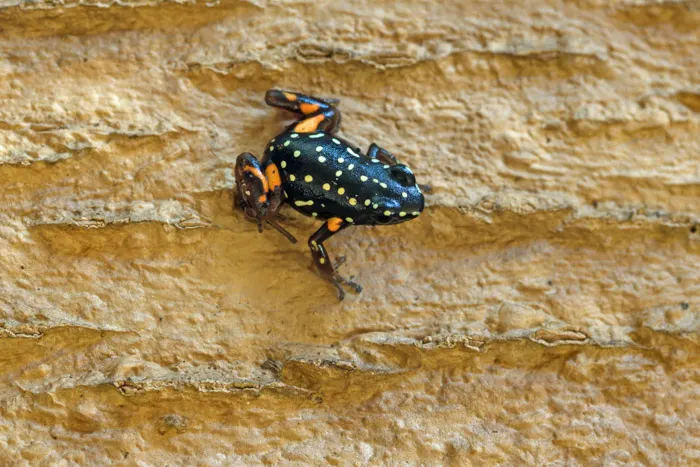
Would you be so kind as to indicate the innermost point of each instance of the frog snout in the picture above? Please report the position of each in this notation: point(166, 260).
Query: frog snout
point(421, 200)
point(401, 209)
point(414, 203)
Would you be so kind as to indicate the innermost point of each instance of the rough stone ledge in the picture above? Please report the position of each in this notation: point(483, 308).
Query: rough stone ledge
point(90, 215)
point(29, 145)
point(13, 329)
point(297, 369)
point(536, 45)
point(134, 386)
point(29, 5)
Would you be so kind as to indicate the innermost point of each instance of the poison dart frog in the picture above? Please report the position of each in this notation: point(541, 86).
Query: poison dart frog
point(326, 177)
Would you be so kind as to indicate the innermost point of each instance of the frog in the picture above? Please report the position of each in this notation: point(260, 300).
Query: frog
point(319, 174)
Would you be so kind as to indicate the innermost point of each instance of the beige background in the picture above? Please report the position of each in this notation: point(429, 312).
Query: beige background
point(543, 310)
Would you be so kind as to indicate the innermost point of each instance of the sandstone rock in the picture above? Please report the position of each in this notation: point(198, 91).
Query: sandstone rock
point(543, 310)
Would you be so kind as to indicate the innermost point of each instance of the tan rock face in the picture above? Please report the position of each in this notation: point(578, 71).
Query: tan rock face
point(543, 310)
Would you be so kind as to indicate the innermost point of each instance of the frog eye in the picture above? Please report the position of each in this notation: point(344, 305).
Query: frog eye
point(402, 174)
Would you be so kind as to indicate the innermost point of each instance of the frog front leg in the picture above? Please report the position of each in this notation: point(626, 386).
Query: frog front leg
point(322, 260)
point(318, 114)
point(259, 193)
point(381, 154)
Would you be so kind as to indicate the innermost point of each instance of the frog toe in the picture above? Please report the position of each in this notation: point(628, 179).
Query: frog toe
point(341, 292)
point(352, 284)
point(340, 260)
point(355, 286)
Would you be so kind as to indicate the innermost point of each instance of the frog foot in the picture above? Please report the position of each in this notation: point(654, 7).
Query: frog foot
point(338, 281)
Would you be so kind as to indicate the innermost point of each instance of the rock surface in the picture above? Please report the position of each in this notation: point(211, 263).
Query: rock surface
point(543, 310)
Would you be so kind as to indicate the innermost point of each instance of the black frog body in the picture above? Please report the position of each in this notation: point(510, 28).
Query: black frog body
point(326, 177)
point(321, 175)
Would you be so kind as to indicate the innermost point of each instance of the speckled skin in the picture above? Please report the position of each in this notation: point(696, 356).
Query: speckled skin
point(341, 174)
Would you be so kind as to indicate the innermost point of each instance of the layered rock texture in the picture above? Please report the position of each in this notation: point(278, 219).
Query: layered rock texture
point(543, 310)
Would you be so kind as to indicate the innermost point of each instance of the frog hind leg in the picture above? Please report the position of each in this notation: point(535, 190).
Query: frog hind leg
point(322, 260)
point(317, 114)
point(297, 102)
point(381, 154)
point(258, 193)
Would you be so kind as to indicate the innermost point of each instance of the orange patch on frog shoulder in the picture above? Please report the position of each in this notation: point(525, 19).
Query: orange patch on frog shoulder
point(309, 125)
point(273, 176)
point(334, 223)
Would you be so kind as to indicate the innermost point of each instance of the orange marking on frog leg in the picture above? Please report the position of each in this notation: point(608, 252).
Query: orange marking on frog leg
point(259, 175)
point(307, 109)
point(290, 96)
point(273, 177)
point(334, 223)
point(309, 125)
